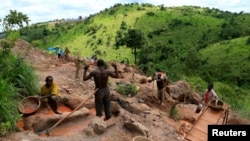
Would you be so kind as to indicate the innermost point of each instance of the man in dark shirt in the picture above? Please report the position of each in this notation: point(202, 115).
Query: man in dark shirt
point(161, 83)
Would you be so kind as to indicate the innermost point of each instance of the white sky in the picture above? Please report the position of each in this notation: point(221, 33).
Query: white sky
point(45, 10)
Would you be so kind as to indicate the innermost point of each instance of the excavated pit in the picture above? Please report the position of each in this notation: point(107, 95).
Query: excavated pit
point(45, 118)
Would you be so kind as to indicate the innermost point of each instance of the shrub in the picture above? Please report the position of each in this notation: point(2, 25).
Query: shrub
point(174, 113)
point(9, 113)
point(127, 89)
point(17, 80)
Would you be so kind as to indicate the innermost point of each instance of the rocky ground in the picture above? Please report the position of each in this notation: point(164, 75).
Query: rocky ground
point(140, 115)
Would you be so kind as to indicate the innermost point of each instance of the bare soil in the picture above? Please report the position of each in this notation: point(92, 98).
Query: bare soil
point(149, 113)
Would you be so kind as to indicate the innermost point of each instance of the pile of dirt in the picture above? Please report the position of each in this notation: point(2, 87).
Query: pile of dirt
point(140, 115)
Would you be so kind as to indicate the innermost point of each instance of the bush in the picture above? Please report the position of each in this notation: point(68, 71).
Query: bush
point(127, 89)
point(17, 80)
point(248, 41)
point(36, 43)
point(20, 74)
point(4, 128)
point(9, 113)
point(174, 113)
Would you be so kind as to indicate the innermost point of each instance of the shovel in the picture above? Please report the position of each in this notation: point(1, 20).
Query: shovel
point(152, 92)
point(51, 128)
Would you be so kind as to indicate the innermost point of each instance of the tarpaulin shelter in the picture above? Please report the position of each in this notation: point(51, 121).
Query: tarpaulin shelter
point(57, 50)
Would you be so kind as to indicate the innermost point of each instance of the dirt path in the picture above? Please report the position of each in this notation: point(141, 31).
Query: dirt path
point(149, 113)
point(64, 74)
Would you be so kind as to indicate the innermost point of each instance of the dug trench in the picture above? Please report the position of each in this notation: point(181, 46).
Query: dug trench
point(131, 117)
point(85, 121)
point(69, 122)
point(139, 115)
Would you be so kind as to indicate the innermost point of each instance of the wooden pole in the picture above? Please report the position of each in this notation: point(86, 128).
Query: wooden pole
point(153, 90)
point(51, 128)
point(133, 74)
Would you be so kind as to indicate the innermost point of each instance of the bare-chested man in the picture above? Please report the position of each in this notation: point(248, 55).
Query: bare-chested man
point(102, 95)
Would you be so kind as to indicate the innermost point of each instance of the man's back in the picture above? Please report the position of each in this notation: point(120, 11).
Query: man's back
point(160, 83)
point(100, 75)
point(101, 78)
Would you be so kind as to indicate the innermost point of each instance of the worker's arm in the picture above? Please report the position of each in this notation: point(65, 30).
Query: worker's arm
point(54, 90)
point(215, 96)
point(114, 75)
point(46, 96)
point(85, 76)
point(43, 91)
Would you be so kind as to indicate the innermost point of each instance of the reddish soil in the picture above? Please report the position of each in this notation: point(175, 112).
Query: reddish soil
point(160, 126)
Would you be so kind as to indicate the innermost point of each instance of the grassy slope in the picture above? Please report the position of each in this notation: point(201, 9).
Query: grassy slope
point(85, 44)
point(235, 53)
point(179, 34)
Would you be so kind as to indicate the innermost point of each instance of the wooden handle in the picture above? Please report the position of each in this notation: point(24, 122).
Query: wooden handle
point(70, 113)
point(153, 90)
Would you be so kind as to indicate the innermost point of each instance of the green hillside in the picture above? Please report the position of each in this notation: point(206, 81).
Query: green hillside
point(189, 42)
point(231, 58)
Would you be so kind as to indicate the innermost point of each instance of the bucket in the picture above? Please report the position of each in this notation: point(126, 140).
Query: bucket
point(141, 138)
point(29, 105)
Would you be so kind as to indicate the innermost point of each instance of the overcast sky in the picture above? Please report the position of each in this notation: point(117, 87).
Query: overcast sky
point(45, 10)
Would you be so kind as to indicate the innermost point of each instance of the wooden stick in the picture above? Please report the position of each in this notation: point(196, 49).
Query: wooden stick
point(47, 131)
point(153, 91)
point(133, 74)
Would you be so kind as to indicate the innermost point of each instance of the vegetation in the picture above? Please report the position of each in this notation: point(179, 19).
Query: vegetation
point(199, 45)
point(127, 89)
point(174, 113)
point(17, 78)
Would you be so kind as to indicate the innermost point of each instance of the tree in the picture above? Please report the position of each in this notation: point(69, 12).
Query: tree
point(14, 20)
point(80, 18)
point(134, 39)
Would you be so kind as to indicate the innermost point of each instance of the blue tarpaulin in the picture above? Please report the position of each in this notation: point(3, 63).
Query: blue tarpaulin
point(57, 51)
point(61, 52)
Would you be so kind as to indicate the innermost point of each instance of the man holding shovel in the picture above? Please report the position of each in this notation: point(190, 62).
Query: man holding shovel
point(102, 95)
point(161, 83)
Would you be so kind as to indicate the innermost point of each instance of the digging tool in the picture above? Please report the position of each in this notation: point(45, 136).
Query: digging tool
point(41, 97)
point(45, 96)
point(153, 91)
point(51, 128)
